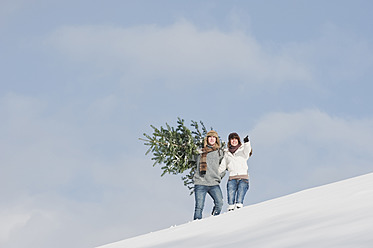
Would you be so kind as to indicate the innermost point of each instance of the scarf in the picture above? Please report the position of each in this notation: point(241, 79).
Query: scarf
point(233, 149)
point(203, 162)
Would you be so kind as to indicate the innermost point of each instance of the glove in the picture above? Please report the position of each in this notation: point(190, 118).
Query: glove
point(246, 139)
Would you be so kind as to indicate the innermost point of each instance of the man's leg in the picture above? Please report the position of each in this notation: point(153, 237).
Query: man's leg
point(217, 196)
point(199, 196)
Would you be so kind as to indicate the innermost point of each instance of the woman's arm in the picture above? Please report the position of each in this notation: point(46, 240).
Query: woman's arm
point(222, 166)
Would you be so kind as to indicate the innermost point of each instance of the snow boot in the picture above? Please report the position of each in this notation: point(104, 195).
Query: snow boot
point(231, 207)
point(239, 205)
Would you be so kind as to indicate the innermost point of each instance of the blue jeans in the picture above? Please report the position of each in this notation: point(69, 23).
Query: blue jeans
point(236, 190)
point(200, 196)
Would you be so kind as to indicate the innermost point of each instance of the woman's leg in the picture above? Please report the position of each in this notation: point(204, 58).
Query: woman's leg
point(231, 193)
point(243, 186)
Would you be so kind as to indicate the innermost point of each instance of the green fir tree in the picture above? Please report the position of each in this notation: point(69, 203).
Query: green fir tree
point(175, 149)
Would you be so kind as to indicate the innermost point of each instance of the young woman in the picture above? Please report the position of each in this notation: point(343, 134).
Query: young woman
point(235, 161)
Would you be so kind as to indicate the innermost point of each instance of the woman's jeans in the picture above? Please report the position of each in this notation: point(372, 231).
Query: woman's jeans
point(200, 196)
point(236, 190)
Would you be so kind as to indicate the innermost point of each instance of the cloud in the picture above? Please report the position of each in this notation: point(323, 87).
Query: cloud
point(72, 163)
point(9, 7)
point(54, 184)
point(120, 195)
point(308, 148)
point(56, 149)
point(180, 52)
point(337, 55)
point(11, 221)
point(39, 148)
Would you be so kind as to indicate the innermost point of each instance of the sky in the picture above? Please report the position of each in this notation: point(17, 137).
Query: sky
point(81, 81)
point(309, 218)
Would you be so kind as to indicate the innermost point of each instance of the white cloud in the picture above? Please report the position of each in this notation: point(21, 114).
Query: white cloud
point(53, 178)
point(180, 52)
point(337, 55)
point(38, 147)
point(9, 7)
point(53, 185)
point(308, 148)
point(11, 221)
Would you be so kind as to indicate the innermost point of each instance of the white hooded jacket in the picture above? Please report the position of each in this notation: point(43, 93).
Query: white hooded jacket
point(236, 163)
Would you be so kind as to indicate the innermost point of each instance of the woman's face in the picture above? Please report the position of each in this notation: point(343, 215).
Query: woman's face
point(234, 142)
point(211, 140)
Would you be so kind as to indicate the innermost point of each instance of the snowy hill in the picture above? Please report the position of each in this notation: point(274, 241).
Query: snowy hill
point(334, 216)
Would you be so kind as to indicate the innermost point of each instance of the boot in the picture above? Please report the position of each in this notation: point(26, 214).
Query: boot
point(231, 207)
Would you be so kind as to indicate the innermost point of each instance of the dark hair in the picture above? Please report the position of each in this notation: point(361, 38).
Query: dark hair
point(234, 136)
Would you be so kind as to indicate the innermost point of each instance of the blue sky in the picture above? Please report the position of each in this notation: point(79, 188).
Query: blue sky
point(81, 81)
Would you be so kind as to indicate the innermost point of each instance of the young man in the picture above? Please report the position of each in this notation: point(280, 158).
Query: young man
point(207, 177)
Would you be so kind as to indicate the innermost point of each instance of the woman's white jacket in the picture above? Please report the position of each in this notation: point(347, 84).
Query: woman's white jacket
point(236, 163)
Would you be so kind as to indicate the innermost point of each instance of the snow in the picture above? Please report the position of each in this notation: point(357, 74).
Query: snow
point(335, 215)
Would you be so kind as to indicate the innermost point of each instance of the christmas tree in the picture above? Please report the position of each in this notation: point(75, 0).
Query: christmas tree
point(175, 149)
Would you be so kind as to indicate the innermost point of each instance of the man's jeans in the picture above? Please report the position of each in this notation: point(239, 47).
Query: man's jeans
point(200, 196)
point(236, 190)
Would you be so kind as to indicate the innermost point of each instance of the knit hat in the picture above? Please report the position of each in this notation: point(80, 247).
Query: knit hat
point(213, 134)
point(234, 136)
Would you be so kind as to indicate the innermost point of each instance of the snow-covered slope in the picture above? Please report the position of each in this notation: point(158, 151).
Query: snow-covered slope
point(334, 216)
